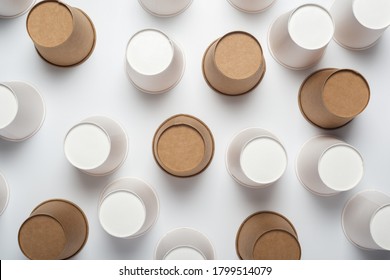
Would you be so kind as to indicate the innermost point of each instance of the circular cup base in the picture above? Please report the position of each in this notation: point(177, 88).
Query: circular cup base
point(19, 14)
point(249, 11)
point(167, 15)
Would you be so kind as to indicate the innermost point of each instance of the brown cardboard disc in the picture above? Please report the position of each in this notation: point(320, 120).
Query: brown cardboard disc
point(331, 98)
point(56, 229)
point(267, 235)
point(183, 146)
point(62, 35)
point(234, 64)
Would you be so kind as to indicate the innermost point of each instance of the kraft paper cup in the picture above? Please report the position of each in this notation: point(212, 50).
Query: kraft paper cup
point(183, 146)
point(267, 235)
point(234, 64)
point(327, 166)
point(184, 244)
point(331, 98)
point(298, 39)
point(165, 8)
point(56, 229)
point(360, 23)
point(366, 220)
point(22, 111)
point(128, 208)
point(4, 194)
point(96, 146)
point(251, 6)
point(14, 8)
point(62, 35)
point(154, 62)
point(255, 158)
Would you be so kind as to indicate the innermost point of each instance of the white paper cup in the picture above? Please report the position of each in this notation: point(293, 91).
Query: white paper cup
point(251, 6)
point(154, 62)
point(366, 220)
point(255, 158)
point(4, 194)
point(298, 39)
point(184, 244)
point(327, 166)
point(97, 146)
point(128, 208)
point(360, 23)
point(165, 8)
point(14, 8)
point(22, 111)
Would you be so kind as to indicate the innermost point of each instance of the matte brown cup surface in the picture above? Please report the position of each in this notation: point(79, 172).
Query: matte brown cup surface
point(183, 146)
point(234, 64)
point(56, 229)
point(330, 98)
point(62, 35)
point(267, 235)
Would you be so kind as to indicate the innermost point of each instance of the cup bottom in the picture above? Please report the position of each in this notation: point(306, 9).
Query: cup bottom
point(19, 14)
point(165, 15)
point(251, 11)
point(4, 192)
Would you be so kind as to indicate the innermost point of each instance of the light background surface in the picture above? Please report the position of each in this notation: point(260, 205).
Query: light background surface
point(211, 202)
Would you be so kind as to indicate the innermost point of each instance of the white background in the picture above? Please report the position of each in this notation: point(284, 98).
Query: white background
point(211, 202)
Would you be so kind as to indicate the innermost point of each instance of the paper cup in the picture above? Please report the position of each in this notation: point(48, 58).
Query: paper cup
point(22, 111)
point(267, 235)
point(183, 146)
point(4, 194)
point(62, 35)
point(165, 8)
point(251, 6)
point(14, 8)
point(360, 23)
point(234, 64)
point(331, 98)
point(298, 39)
point(128, 208)
point(327, 166)
point(255, 158)
point(97, 146)
point(154, 62)
point(366, 220)
point(184, 244)
point(56, 229)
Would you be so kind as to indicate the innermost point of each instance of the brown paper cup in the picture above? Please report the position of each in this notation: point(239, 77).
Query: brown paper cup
point(234, 64)
point(330, 98)
point(62, 35)
point(183, 146)
point(267, 236)
point(56, 229)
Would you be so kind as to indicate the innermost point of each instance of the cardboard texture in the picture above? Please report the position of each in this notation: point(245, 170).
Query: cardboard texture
point(56, 229)
point(183, 146)
point(330, 98)
point(267, 235)
point(234, 64)
point(62, 35)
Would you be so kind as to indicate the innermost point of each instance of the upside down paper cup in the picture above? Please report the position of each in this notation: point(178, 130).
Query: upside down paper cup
point(183, 146)
point(331, 98)
point(251, 6)
point(128, 208)
point(165, 8)
point(4, 194)
point(366, 220)
point(267, 235)
point(62, 35)
point(56, 229)
point(234, 64)
point(298, 39)
point(96, 146)
point(255, 158)
point(22, 111)
point(14, 8)
point(154, 62)
point(184, 244)
point(360, 23)
point(327, 166)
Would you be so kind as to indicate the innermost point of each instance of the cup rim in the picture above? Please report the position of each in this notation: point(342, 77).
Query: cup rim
point(4, 187)
point(167, 15)
point(21, 13)
point(251, 11)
